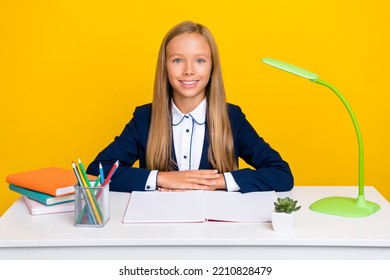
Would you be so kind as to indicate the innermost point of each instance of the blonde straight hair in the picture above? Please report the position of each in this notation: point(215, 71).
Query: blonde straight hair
point(159, 146)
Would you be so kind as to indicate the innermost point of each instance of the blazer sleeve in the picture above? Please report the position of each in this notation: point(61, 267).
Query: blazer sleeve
point(128, 147)
point(270, 171)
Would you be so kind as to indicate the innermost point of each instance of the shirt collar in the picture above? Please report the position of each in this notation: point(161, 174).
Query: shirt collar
point(198, 114)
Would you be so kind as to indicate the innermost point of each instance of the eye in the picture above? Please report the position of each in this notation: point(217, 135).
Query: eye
point(177, 60)
point(200, 60)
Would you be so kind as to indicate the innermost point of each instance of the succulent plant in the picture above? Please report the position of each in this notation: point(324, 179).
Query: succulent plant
point(286, 205)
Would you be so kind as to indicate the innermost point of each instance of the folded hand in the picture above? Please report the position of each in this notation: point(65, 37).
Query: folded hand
point(190, 180)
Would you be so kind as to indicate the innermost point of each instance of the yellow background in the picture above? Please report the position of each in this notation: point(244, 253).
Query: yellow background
point(71, 73)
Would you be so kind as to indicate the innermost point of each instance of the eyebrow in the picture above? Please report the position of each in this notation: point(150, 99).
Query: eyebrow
point(178, 54)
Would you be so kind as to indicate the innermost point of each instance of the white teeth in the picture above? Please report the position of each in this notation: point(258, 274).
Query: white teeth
point(188, 82)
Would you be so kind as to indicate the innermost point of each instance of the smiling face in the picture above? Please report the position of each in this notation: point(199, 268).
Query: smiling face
point(189, 64)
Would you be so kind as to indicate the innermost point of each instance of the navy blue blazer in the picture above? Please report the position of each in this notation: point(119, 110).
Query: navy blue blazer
point(270, 171)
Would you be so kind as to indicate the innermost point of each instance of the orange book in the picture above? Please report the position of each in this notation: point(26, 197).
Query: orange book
point(51, 180)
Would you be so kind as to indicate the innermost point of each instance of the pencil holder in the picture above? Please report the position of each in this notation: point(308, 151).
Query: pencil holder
point(92, 206)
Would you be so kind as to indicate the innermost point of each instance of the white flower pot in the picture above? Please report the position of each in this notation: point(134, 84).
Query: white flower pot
point(283, 222)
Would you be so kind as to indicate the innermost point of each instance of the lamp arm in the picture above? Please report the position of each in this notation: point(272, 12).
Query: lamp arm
point(357, 130)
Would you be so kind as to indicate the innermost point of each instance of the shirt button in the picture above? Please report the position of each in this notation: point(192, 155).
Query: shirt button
point(185, 157)
point(187, 130)
point(187, 117)
point(148, 187)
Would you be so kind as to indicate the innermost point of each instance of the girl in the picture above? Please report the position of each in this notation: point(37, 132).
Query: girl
point(189, 138)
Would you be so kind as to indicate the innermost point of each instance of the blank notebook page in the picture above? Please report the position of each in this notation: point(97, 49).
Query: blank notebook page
point(237, 207)
point(165, 207)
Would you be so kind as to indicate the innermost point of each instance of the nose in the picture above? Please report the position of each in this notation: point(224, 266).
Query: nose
point(188, 69)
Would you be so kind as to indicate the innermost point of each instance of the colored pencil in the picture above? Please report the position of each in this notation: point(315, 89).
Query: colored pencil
point(80, 183)
point(82, 217)
point(84, 174)
point(97, 182)
point(113, 169)
point(101, 173)
point(91, 198)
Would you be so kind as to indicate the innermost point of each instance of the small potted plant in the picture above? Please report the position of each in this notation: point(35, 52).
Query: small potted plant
point(283, 217)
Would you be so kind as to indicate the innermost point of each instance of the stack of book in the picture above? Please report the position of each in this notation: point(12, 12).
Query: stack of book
point(46, 190)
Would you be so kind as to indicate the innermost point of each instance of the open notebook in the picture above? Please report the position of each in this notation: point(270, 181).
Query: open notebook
point(199, 206)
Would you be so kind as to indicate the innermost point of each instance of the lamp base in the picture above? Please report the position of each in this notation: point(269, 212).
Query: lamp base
point(345, 206)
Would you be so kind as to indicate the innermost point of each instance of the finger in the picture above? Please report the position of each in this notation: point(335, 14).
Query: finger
point(204, 175)
point(198, 183)
point(189, 186)
point(171, 190)
point(210, 188)
point(205, 171)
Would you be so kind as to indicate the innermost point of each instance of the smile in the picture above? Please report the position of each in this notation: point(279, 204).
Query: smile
point(188, 84)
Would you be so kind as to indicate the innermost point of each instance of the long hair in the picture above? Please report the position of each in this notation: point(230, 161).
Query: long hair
point(159, 146)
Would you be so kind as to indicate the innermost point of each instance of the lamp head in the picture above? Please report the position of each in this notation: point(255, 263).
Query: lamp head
point(291, 68)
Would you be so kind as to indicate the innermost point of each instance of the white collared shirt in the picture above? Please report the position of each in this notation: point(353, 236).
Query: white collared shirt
point(188, 138)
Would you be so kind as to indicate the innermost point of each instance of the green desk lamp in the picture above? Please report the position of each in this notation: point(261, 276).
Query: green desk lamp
point(339, 206)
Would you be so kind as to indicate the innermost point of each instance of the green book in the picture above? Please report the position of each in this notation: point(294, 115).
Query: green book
point(43, 198)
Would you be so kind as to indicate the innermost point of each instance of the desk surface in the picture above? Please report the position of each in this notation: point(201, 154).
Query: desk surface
point(27, 236)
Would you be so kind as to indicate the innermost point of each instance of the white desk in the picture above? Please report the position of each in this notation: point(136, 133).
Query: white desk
point(316, 236)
